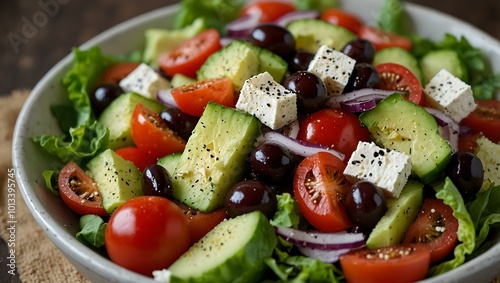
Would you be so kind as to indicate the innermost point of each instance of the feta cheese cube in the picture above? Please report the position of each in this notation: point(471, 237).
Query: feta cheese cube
point(333, 67)
point(451, 95)
point(388, 169)
point(145, 81)
point(270, 102)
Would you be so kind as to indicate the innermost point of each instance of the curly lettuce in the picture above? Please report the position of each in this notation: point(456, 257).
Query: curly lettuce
point(288, 213)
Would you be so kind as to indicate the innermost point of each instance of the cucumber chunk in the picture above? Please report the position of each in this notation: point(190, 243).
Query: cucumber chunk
point(447, 59)
point(170, 161)
point(234, 251)
point(398, 56)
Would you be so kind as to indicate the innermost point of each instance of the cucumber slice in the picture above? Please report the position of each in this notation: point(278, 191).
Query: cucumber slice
point(447, 59)
point(398, 56)
point(170, 161)
point(234, 251)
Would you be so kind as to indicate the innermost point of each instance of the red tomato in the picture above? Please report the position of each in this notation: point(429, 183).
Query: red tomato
point(342, 18)
point(152, 134)
point(436, 227)
point(269, 10)
point(485, 119)
point(319, 187)
point(397, 77)
point(469, 142)
point(382, 39)
point(398, 264)
point(146, 233)
point(188, 57)
point(115, 73)
point(201, 223)
point(139, 156)
point(193, 98)
point(79, 191)
point(335, 128)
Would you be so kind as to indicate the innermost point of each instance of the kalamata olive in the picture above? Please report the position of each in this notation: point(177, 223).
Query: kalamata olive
point(274, 38)
point(178, 121)
point(365, 204)
point(466, 172)
point(250, 195)
point(360, 50)
point(271, 163)
point(364, 75)
point(300, 61)
point(310, 90)
point(156, 181)
point(103, 95)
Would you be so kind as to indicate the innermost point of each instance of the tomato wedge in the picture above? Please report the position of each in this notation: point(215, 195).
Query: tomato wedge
point(485, 119)
point(152, 134)
point(116, 72)
point(193, 98)
point(436, 227)
point(342, 18)
point(320, 187)
point(269, 10)
point(397, 77)
point(382, 39)
point(393, 264)
point(79, 191)
point(139, 156)
point(201, 223)
point(188, 57)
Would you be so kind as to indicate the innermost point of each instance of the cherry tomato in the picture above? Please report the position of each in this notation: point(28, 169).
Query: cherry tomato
point(146, 233)
point(79, 191)
point(193, 98)
point(320, 187)
point(335, 128)
point(469, 142)
point(139, 156)
point(269, 10)
point(436, 227)
point(394, 264)
point(201, 223)
point(485, 119)
point(382, 39)
point(116, 72)
point(188, 57)
point(342, 18)
point(397, 77)
point(152, 134)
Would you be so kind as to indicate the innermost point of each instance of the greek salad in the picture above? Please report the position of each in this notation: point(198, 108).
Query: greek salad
point(282, 141)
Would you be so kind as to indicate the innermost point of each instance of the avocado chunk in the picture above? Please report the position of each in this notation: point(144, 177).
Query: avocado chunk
point(269, 62)
point(311, 34)
point(117, 117)
point(401, 212)
point(170, 161)
point(401, 125)
point(215, 157)
point(399, 56)
point(118, 180)
point(237, 61)
point(234, 251)
point(159, 41)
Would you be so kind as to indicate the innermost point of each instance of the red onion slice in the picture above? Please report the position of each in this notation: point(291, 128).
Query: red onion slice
point(296, 15)
point(295, 146)
point(165, 97)
point(321, 240)
point(334, 101)
point(292, 130)
point(448, 127)
point(362, 104)
point(326, 256)
point(243, 25)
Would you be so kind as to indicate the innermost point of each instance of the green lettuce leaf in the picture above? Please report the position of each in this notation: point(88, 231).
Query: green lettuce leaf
point(392, 17)
point(318, 5)
point(288, 213)
point(92, 230)
point(50, 177)
point(466, 232)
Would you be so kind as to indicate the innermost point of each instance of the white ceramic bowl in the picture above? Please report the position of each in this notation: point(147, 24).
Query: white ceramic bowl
point(60, 224)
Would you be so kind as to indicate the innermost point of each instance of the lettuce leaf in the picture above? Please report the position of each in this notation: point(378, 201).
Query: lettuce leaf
point(392, 17)
point(92, 230)
point(318, 5)
point(288, 213)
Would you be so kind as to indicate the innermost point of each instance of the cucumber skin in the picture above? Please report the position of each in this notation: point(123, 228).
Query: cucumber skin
point(247, 265)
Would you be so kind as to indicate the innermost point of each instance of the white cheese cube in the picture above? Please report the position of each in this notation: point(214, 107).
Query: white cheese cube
point(145, 81)
point(388, 169)
point(333, 67)
point(451, 95)
point(270, 102)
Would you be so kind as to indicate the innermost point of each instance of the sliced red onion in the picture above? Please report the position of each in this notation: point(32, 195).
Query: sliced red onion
point(321, 240)
point(243, 25)
point(336, 100)
point(295, 146)
point(362, 104)
point(448, 127)
point(296, 15)
point(326, 256)
point(166, 98)
point(292, 130)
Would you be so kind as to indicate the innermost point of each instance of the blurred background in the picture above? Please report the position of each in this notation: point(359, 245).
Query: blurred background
point(70, 23)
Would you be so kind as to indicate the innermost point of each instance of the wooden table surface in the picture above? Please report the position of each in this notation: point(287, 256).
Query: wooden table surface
point(64, 24)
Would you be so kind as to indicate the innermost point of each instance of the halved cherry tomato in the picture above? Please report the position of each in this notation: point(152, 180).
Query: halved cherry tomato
point(201, 223)
point(319, 186)
point(397, 77)
point(139, 156)
point(342, 18)
point(193, 98)
point(469, 142)
point(116, 72)
point(79, 192)
point(269, 10)
point(485, 119)
point(188, 57)
point(146, 233)
point(335, 128)
point(436, 227)
point(382, 39)
point(151, 133)
point(398, 264)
